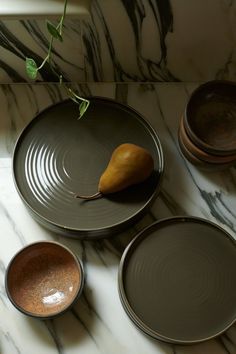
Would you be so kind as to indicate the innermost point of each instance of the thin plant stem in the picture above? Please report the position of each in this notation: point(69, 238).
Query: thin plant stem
point(83, 102)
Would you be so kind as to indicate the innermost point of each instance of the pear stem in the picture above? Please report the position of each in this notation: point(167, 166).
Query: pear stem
point(89, 197)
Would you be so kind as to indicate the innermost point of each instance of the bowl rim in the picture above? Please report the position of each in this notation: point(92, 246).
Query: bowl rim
point(198, 141)
point(202, 154)
point(201, 164)
point(188, 155)
point(80, 267)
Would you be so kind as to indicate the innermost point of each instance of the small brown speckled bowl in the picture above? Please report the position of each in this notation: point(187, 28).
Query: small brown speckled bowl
point(44, 279)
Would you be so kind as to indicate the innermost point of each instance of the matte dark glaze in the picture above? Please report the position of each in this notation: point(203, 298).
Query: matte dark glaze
point(57, 157)
point(177, 280)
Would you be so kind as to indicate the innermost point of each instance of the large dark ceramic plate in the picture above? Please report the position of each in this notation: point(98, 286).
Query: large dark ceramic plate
point(58, 156)
point(177, 280)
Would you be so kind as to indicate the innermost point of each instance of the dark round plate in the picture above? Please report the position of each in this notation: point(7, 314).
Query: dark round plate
point(58, 156)
point(177, 280)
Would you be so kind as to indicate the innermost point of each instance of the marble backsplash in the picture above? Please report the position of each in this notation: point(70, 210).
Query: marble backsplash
point(29, 38)
point(124, 40)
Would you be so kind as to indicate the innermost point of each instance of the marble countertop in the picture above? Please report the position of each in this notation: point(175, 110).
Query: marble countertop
point(98, 324)
point(24, 9)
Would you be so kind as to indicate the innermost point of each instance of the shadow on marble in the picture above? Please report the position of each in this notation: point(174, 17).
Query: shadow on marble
point(67, 329)
point(78, 324)
point(222, 344)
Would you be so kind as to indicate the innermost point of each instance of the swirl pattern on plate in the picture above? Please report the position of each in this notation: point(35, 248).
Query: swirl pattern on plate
point(177, 280)
point(58, 156)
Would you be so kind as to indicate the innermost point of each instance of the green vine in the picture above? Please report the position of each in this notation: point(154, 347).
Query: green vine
point(32, 69)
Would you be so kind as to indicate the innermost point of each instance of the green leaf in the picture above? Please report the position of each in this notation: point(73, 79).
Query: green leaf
point(82, 102)
point(31, 68)
point(83, 108)
point(54, 31)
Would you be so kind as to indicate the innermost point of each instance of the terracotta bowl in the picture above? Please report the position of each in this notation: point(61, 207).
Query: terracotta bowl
point(210, 117)
point(203, 165)
point(44, 279)
point(201, 154)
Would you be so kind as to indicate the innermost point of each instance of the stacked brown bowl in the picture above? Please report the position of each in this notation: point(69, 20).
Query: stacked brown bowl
point(207, 130)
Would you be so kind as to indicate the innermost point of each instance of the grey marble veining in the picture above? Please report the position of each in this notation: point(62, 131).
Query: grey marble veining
point(125, 41)
point(160, 40)
point(29, 38)
point(98, 324)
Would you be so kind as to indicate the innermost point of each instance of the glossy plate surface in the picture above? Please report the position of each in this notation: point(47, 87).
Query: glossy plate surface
point(58, 156)
point(177, 280)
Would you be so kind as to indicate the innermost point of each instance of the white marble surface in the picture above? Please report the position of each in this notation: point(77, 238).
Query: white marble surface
point(156, 40)
point(126, 41)
point(30, 38)
point(29, 9)
point(98, 324)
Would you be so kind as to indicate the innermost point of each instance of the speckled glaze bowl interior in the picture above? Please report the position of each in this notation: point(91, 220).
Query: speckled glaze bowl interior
point(44, 279)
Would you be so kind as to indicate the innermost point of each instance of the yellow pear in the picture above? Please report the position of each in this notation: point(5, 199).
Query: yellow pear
point(129, 164)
